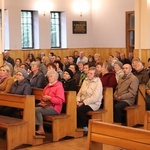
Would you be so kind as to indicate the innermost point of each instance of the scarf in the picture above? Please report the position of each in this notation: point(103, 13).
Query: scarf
point(3, 78)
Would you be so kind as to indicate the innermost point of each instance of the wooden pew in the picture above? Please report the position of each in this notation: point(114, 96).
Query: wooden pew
point(64, 124)
point(19, 131)
point(135, 113)
point(147, 120)
point(106, 113)
point(119, 136)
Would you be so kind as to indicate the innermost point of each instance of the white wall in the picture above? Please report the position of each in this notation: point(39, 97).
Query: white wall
point(105, 24)
point(108, 22)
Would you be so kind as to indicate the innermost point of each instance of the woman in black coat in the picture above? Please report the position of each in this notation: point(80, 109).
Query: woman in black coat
point(69, 83)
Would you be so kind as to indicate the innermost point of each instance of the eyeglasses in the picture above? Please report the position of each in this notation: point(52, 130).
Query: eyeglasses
point(19, 74)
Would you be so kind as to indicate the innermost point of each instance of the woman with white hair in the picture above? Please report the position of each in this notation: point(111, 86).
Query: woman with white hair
point(51, 102)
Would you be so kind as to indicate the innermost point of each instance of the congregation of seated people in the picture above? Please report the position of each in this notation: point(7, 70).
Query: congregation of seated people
point(87, 75)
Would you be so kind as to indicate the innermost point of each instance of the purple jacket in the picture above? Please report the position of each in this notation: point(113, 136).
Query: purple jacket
point(56, 92)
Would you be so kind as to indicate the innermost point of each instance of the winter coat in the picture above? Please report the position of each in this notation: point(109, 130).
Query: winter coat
point(109, 80)
point(38, 81)
point(91, 93)
point(127, 88)
point(143, 76)
point(5, 86)
point(21, 88)
point(56, 92)
point(69, 85)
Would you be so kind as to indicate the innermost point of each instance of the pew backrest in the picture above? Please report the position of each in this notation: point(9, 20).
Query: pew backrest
point(67, 119)
point(106, 112)
point(136, 112)
point(120, 136)
point(27, 104)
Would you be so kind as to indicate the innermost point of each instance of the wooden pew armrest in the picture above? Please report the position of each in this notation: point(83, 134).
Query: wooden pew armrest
point(51, 118)
point(131, 107)
point(97, 112)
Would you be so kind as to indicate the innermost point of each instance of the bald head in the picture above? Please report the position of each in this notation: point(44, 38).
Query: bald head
point(127, 69)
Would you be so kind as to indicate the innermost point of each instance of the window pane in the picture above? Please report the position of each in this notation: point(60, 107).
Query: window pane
point(26, 29)
point(131, 21)
point(55, 30)
point(131, 37)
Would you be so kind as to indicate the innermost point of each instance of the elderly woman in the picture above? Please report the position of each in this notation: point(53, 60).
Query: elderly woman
point(36, 77)
point(108, 77)
point(89, 97)
point(69, 83)
point(6, 80)
point(118, 70)
point(52, 98)
point(21, 87)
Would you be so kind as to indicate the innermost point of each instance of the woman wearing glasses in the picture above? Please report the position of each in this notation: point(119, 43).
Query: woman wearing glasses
point(21, 87)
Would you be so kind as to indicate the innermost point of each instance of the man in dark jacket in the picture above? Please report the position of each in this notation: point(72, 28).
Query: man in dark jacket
point(8, 58)
point(141, 73)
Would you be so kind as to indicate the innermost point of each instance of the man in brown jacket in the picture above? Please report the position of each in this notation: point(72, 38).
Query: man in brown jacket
point(125, 92)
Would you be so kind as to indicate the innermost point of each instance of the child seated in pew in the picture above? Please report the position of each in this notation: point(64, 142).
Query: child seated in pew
point(89, 98)
point(21, 87)
point(52, 100)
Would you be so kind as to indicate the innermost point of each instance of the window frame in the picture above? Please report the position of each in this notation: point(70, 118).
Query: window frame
point(32, 28)
point(129, 30)
point(59, 19)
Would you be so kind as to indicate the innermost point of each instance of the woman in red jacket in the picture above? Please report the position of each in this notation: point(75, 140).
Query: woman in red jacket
point(108, 76)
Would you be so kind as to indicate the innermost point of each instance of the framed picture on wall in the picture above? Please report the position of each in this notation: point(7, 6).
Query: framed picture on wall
point(79, 27)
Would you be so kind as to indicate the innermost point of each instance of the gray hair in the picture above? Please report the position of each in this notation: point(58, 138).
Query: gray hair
point(35, 63)
point(50, 72)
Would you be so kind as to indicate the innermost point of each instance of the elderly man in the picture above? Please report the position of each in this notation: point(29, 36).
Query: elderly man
point(82, 58)
point(141, 73)
point(8, 58)
point(125, 92)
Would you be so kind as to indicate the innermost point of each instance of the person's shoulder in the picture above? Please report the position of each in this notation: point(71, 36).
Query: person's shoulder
point(133, 78)
point(10, 78)
point(58, 83)
point(95, 79)
point(71, 80)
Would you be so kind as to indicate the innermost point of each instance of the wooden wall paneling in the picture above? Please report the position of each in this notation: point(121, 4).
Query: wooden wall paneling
point(104, 52)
